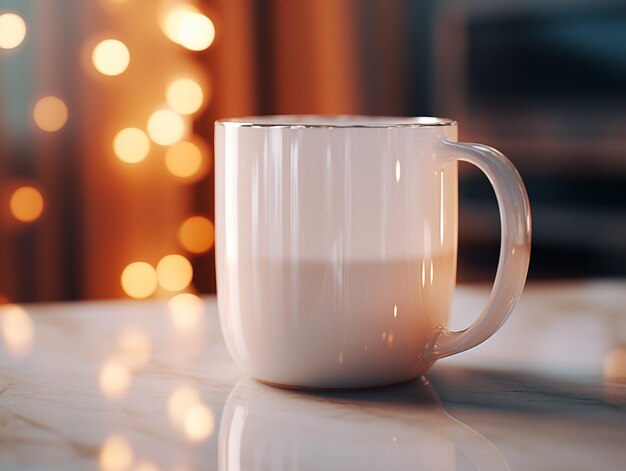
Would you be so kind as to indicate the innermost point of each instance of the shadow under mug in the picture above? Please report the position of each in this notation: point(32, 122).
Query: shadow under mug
point(404, 427)
point(336, 246)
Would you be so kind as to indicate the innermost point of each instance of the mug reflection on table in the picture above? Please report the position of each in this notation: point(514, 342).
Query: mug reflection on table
point(404, 427)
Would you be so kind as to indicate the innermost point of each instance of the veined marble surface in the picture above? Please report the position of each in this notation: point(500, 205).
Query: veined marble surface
point(144, 386)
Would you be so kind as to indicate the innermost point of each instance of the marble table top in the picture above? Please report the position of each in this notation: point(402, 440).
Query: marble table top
point(148, 385)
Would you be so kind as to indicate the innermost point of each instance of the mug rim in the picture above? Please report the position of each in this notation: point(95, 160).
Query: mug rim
point(303, 121)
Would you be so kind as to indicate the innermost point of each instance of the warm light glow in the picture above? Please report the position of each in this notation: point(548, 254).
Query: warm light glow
point(184, 25)
point(145, 466)
point(199, 422)
point(131, 145)
point(615, 365)
point(116, 454)
point(17, 329)
point(134, 346)
point(184, 96)
point(166, 127)
point(50, 113)
point(110, 57)
point(114, 379)
point(395, 311)
point(196, 234)
point(184, 159)
point(139, 280)
point(12, 30)
point(185, 310)
point(179, 403)
point(398, 171)
point(26, 204)
point(174, 272)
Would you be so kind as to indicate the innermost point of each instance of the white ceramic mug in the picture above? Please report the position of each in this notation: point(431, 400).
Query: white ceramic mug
point(336, 243)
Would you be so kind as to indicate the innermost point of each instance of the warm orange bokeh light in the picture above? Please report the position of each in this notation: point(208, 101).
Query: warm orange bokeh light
point(134, 346)
point(17, 329)
point(50, 113)
point(145, 466)
point(26, 204)
point(184, 25)
point(116, 454)
point(179, 403)
point(199, 422)
point(110, 57)
point(196, 234)
point(189, 414)
point(184, 96)
point(12, 30)
point(174, 272)
point(131, 145)
point(139, 280)
point(185, 310)
point(114, 378)
point(166, 127)
point(615, 365)
point(185, 160)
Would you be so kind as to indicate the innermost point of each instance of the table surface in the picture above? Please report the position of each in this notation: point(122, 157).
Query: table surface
point(147, 385)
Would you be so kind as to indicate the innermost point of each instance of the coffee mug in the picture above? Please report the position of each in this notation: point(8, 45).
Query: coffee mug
point(336, 246)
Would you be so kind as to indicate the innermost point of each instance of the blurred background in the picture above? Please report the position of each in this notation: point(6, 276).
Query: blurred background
point(107, 111)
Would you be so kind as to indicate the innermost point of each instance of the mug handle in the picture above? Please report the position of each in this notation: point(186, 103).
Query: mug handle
point(515, 222)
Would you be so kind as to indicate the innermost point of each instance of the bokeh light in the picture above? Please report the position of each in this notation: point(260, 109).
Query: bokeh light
point(50, 113)
point(110, 57)
point(185, 310)
point(196, 234)
point(185, 160)
point(134, 346)
point(17, 329)
point(131, 145)
point(114, 378)
point(174, 272)
point(26, 204)
point(145, 466)
point(116, 454)
point(184, 95)
point(199, 422)
point(12, 30)
point(184, 25)
point(615, 365)
point(179, 403)
point(166, 127)
point(139, 280)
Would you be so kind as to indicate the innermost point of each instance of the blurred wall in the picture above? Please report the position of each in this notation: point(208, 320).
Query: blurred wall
point(543, 81)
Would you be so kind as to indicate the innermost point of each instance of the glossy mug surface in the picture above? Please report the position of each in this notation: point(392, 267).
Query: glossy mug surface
point(336, 243)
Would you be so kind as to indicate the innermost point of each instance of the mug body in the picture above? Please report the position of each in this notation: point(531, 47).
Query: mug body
point(336, 242)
